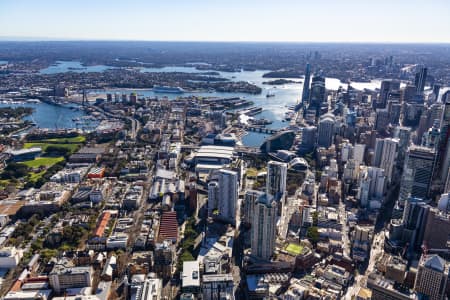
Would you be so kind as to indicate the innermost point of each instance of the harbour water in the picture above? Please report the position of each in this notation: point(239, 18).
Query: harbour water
point(274, 108)
point(72, 66)
point(50, 116)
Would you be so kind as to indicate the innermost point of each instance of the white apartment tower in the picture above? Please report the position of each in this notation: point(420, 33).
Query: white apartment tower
point(223, 195)
point(385, 156)
point(263, 232)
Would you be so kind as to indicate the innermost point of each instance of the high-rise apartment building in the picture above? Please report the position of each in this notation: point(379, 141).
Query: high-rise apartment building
point(213, 197)
point(385, 155)
point(223, 195)
point(263, 232)
point(251, 196)
point(372, 185)
point(276, 179)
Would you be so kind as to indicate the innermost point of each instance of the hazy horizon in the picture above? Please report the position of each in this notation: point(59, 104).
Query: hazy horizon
point(285, 21)
point(44, 39)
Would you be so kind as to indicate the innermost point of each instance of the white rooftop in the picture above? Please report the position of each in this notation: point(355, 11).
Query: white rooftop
point(191, 274)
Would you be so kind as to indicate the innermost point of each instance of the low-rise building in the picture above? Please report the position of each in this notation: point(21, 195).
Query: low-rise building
point(145, 288)
point(24, 154)
point(384, 289)
point(28, 295)
point(191, 277)
point(117, 242)
point(337, 274)
point(9, 257)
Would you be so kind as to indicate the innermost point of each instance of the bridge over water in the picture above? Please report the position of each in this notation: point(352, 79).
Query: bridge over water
point(261, 129)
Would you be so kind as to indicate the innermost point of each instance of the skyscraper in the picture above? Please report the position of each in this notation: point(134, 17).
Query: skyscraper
point(389, 155)
point(404, 136)
point(431, 278)
point(308, 139)
point(326, 130)
point(420, 79)
point(378, 152)
point(372, 185)
point(385, 155)
point(228, 189)
point(436, 89)
point(386, 87)
point(305, 93)
point(250, 199)
point(443, 155)
point(263, 232)
point(382, 120)
point(422, 128)
point(409, 94)
point(223, 195)
point(213, 197)
point(431, 138)
point(417, 173)
point(414, 220)
point(394, 110)
point(436, 239)
point(358, 153)
point(276, 179)
point(435, 112)
point(317, 93)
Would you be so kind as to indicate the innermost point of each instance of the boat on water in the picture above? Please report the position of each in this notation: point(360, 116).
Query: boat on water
point(76, 68)
point(252, 111)
point(167, 89)
point(261, 121)
point(288, 115)
point(270, 94)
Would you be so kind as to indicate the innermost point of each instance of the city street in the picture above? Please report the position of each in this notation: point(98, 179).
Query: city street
point(375, 254)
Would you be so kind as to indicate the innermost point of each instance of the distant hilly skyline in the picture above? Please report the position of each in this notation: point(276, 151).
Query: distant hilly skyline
point(50, 39)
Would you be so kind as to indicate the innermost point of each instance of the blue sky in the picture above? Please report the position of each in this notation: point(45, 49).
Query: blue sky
point(228, 20)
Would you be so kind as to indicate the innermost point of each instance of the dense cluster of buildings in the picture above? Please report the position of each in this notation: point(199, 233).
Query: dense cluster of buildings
point(163, 201)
